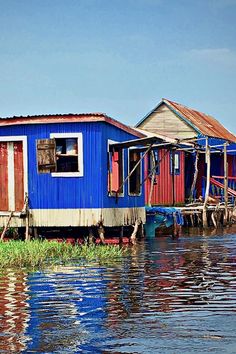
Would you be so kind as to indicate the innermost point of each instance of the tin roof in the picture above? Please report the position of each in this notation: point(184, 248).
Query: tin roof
point(67, 118)
point(203, 123)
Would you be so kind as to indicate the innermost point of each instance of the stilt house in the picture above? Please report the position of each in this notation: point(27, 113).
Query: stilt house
point(61, 169)
point(180, 173)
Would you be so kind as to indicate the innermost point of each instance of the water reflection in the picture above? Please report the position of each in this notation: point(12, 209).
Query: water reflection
point(168, 296)
point(14, 313)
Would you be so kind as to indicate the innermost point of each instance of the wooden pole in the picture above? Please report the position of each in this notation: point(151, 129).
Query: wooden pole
point(208, 162)
point(26, 207)
point(226, 183)
point(152, 180)
point(134, 233)
point(195, 176)
point(101, 233)
point(173, 176)
point(6, 226)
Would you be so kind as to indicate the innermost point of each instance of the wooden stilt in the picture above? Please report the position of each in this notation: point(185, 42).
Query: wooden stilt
point(91, 236)
point(226, 215)
point(35, 233)
point(134, 233)
point(27, 233)
point(213, 219)
point(26, 207)
point(101, 233)
point(177, 228)
point(6, 226)
point(121, 234)
point(208, 162)
point(173, 176)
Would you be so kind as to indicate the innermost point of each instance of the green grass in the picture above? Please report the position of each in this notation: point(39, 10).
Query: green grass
point(38, 254)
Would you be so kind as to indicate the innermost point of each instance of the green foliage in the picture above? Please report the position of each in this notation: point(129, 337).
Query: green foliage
point(37, 254)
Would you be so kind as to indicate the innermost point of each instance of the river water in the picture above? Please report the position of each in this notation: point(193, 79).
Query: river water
point(167, 296)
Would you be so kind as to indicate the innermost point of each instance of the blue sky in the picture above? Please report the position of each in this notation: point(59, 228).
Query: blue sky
point(117, 56)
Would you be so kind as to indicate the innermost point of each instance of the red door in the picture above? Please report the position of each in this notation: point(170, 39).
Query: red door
point(11, 176)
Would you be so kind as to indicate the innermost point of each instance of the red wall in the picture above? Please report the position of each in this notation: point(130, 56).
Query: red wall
point(162, 191)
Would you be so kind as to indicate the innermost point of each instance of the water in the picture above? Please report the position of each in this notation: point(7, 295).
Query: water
point(168, 296)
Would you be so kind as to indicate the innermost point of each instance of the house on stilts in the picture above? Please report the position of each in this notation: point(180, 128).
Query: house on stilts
point(59, 171)
point(198, 166)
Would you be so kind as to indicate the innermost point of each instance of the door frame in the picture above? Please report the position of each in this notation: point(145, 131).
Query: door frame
point(23, 139)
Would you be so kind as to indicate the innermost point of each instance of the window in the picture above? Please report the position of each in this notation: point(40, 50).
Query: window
point(175, 160)
point(62, 155)
point(135, 178)
point(115, 173)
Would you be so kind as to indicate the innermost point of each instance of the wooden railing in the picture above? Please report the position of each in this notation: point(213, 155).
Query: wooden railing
point(217, 187)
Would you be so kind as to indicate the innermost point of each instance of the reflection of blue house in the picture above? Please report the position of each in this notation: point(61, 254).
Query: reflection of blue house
point(64, 165)
point(67, 310)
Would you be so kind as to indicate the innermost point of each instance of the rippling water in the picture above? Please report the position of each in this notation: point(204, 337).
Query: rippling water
point(168, 296)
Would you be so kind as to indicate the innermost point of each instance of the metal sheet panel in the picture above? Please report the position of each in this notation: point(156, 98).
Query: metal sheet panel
point(162, 191)
point(205, 124)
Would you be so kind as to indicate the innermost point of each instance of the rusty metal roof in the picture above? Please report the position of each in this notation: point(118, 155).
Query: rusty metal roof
point(67, 118)
point(202, 122)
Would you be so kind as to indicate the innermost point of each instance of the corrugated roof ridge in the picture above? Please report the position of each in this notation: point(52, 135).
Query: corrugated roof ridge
point(99, 114)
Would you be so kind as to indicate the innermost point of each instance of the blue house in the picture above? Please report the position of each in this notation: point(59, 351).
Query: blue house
point(62, 165)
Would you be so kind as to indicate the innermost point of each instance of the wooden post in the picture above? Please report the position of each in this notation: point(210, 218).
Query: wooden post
point(101, 233)
point(134, 233)
point(226, 216)
point(27, 234)
point(195, 175)
point(26, 208)
point(91, 236)
point(173, 176)
point(121, 234)
point(208, 162)
point(152, 180)
point(6, 226)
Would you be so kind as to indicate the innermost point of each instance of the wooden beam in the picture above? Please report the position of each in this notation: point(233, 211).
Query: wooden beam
point(134, 142)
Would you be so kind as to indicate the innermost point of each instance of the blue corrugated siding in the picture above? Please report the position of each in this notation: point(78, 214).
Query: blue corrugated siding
point(89, 191)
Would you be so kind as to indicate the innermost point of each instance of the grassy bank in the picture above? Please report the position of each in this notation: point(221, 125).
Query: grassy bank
point(37, 254)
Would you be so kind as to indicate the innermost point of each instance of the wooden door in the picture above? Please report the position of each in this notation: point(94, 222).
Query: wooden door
point(11, 176)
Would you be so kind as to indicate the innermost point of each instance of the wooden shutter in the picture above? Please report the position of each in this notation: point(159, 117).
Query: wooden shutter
point(115, 172)
point(46, 155)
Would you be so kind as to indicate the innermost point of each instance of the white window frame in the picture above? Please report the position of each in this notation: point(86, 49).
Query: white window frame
point(79, 137)
point(140, 179)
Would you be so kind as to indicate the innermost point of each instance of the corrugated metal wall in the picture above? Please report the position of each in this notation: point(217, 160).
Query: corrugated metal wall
point(163, 191)
point(89, 191)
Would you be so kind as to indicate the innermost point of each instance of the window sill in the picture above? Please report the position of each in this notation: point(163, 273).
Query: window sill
point(135, 194)
point(66, 174)
point(119, 195)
